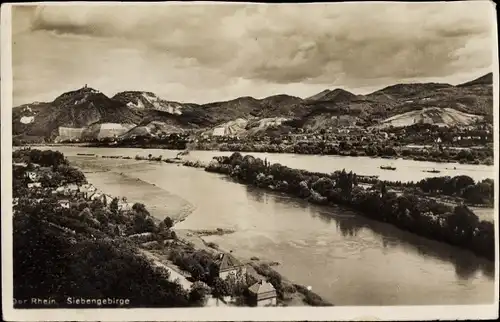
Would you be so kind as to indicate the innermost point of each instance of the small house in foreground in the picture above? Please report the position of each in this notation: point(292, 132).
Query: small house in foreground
point(33, 176)
point(64, 203)
point(227, 264)
point(263, 294)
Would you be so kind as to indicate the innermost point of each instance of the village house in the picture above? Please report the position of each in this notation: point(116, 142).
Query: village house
point(123, 205)
point(227, 264)
point(59, 190)
point(95, 196)
point(64, 203)
point(33, 176)
point(71, 189)
point(87, 190)
point(33, 185)
point(263, 294)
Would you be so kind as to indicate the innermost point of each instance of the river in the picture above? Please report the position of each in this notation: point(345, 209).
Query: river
point(344, 257)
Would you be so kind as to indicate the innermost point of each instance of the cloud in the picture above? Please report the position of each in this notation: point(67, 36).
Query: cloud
point(211, 46)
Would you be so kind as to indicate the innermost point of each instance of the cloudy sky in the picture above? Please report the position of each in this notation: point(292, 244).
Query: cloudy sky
point(201, 53)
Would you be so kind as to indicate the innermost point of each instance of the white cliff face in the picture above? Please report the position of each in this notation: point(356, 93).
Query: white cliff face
point(139, 104)
point(160, 105)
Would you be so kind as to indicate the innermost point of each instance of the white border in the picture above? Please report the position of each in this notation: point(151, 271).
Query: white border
point(359, 313)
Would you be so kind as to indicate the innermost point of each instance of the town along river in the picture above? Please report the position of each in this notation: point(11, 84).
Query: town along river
point(346, 258)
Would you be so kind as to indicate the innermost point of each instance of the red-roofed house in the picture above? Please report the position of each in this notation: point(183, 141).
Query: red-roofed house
point(263, 294)
point(227, 264)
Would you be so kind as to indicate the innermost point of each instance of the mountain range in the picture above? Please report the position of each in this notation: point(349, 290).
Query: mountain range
point(87, 112)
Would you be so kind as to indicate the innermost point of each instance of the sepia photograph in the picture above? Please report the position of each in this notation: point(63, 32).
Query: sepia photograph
point(257, 161)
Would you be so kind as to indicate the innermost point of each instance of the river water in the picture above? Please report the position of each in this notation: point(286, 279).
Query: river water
point(344, 257)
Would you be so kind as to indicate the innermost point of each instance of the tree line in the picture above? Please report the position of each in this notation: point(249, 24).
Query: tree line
point(453, 225)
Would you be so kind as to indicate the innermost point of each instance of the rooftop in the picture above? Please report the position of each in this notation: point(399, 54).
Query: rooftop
point(227, 261)
point(261, 287)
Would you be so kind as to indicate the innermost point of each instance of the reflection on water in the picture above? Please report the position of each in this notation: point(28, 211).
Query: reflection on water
point(466, 264)
point(348, 227)
point(346, 258)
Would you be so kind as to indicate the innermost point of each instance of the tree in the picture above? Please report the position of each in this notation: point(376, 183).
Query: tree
point(143, 224)
point(236, 284)
point(198, 293)
point(113, 206)
point(140, 208)
point(462, 222)
point(462, 181)
point(101, 216)
point(69, 174)
point(197, 271)
point(169, 223)
point(219, 288)
point(383, 190)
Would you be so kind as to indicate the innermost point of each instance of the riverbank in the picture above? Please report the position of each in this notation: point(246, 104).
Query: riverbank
point(456, 226)
point(292, 294)
point(118, 222)
point(326, 247)
point(431, 223)
point(389, 151)
point(441, 188)
point(194, 237)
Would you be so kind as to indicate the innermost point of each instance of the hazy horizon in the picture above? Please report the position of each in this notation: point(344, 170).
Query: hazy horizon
point(201, 53)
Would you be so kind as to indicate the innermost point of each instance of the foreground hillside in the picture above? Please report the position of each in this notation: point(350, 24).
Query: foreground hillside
point(87, 114)
point(73, 242)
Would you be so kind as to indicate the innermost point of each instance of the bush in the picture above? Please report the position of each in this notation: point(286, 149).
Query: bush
point(198, 294)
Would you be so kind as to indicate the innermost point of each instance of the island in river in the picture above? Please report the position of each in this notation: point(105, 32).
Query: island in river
point(357, 261)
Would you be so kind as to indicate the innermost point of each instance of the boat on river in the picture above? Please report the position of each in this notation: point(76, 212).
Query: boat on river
point(182, 153)
point(432, 171)
point(387, 167)
point(173, 160)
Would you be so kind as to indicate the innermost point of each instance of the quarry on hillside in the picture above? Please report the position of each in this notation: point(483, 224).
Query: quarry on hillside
point(96, 131)
point(432, 115)
point(243, 127)
point(147, 100)
point(152, 129)
point(235, 127)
